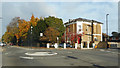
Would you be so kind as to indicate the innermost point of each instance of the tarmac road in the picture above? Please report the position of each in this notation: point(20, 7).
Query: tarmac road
point(15, 56)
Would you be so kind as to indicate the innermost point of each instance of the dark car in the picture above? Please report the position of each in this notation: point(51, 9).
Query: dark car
point(68, 45)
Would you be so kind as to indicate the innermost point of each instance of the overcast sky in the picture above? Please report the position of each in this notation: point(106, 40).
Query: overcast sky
point(65, 10)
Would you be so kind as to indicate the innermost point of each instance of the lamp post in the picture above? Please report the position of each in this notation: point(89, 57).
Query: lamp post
point(31, 36)
point(107, 26)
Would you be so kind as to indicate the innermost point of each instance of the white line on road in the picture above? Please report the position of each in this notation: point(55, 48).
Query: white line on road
point(6, 53)
point(26, 57)
point(69, 52)
point(102, 50)
point(107, 51)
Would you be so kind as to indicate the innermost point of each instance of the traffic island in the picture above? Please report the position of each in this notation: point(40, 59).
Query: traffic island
point(41, 54)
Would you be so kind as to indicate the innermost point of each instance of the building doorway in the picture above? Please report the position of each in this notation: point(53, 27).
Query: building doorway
point(84, 44)
point(79, 40)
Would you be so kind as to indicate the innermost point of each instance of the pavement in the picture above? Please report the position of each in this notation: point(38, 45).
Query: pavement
point(16, 56)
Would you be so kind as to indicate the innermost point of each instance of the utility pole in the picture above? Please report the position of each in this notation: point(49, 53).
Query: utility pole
point(107, 26)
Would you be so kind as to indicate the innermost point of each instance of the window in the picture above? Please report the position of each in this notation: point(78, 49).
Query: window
point(113, 38)
point(95, 38)
point(87, 28)
point(79, 26)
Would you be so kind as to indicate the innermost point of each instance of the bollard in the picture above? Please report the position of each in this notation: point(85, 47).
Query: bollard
point(47, 45)
point(75, 45)
point(93, 45)
point(56, 46)
point(64, 45)
point(88, 44)
point(81, 45)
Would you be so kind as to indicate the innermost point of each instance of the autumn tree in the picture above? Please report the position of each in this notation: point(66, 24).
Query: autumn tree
point(12, 29)
point(33, 21)
point(24, 26)
point(51, 34)
point(8, 37)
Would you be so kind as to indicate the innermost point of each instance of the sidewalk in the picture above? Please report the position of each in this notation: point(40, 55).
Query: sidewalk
point(40, 47)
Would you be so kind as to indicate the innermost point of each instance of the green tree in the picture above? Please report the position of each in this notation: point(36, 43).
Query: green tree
point(39, 28)
point(55, 23)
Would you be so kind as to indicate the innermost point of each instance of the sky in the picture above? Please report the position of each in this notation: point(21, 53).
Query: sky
point(64, 10)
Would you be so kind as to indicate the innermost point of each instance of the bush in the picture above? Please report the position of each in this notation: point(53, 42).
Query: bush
point(102, 45)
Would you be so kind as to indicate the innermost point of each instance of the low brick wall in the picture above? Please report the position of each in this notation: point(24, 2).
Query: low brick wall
point(114, 44)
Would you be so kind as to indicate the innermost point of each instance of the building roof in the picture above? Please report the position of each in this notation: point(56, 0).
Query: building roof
point(82, 19)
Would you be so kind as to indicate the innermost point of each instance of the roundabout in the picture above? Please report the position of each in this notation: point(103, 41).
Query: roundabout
point(41, 54)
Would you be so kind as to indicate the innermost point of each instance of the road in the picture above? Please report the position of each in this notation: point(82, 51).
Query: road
point(15, 56)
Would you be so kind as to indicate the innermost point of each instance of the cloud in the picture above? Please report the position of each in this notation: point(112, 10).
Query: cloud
point(64, 10)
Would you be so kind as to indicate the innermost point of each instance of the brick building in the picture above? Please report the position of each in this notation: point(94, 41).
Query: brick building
point(83, 32)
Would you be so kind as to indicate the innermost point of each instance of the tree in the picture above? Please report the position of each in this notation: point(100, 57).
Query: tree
point(8, 37)
point(51, 34)
point(39, 28)
point(55, 23)
point(12, 29)
point(13, 26)
point(24, 26)
point(33, 21)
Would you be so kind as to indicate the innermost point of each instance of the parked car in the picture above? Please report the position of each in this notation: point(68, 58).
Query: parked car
point(67, 45)
point(61, 45)
point(11, 44)
point(1, 44)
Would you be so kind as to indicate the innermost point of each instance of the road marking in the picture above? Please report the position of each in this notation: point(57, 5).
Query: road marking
point(41, 54)
point(113, 52)
point(62, 56)
point(26, 57)
point(69, 52)
point(107, 51)
point(102, 50)
point(6, 53)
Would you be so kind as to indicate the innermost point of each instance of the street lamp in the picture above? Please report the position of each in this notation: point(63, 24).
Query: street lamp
point(31, 36)
point(107, 25)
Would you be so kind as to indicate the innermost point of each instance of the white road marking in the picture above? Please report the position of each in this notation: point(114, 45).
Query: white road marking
point(113, 52)
point(40, 54)
point(6, 53)
point(26, 57)
point(108, 51)
point(62, 56)
point(102, 50)
point(69, 52)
